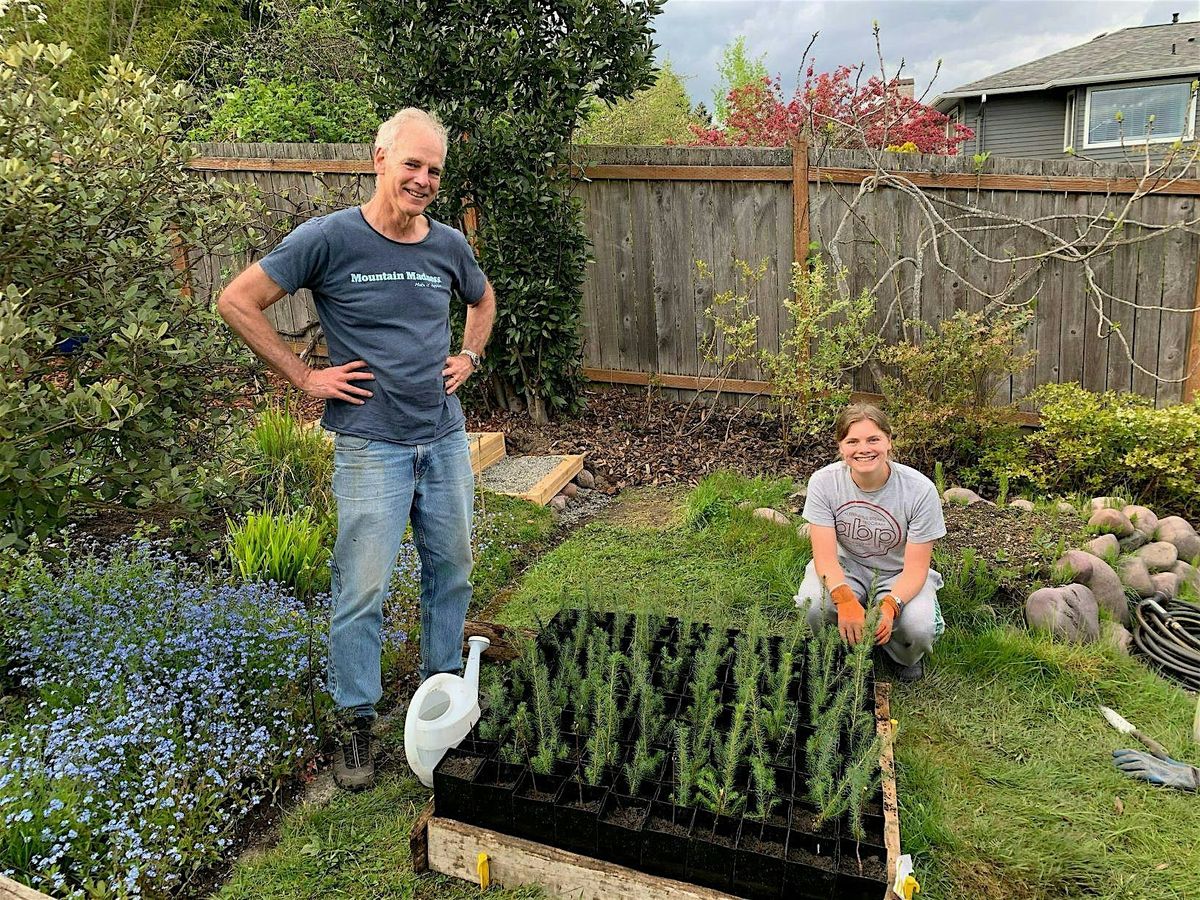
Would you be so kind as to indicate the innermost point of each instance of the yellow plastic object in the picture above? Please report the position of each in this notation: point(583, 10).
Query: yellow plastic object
point(481, 869)
point(910, 887)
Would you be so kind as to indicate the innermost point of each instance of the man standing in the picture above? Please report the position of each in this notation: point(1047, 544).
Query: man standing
point(383, 276)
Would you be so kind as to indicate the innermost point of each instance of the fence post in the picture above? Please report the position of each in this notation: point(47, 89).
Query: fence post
point(1191, 387)
point(799, 201)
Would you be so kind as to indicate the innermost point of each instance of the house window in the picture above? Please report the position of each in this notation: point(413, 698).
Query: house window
point(1164, 112)
point(1069, 125)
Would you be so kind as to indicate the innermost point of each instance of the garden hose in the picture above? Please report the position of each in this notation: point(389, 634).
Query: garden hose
point(1167, 633)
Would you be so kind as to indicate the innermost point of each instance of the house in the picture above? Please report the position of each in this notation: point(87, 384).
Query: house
point(1100, 99)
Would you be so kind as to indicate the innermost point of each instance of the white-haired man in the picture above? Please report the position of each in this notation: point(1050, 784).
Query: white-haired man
point(383, 277)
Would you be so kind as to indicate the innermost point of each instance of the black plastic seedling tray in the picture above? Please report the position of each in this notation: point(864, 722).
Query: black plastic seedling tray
point(788, 853)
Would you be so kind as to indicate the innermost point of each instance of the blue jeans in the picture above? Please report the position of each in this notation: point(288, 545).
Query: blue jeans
point(380, 487)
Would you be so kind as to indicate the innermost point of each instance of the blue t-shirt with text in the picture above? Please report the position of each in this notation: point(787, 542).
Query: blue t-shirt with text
point(388, 304)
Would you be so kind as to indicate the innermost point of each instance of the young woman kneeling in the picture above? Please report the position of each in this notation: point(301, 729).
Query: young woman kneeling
point(873, 523)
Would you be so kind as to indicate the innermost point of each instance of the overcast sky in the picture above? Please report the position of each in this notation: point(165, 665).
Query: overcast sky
point(973, 38)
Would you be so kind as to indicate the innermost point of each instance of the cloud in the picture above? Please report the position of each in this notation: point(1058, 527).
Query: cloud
point(972, 39)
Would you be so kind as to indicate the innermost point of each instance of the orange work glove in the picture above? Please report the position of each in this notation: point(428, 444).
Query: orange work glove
point(850, 612)
point(889, 612)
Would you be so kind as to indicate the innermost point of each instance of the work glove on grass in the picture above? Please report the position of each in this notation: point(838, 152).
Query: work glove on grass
point(850, 613)
point(1165, 772)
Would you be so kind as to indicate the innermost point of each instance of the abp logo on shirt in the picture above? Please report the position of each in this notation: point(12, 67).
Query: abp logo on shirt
point(866, 529)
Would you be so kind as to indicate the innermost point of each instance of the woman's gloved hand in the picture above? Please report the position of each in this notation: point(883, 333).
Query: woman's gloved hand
point(1166, 772)
point(889, 612)
point(851, 615)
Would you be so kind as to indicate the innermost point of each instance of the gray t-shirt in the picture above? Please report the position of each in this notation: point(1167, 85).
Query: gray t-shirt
point(873, 526)
point(388, 304)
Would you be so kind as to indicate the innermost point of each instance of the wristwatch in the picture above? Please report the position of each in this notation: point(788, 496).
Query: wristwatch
point(471, 355)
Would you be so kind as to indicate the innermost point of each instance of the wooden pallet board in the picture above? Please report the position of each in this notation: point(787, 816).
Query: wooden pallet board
point(487, 448)
point(14, 890)
point(551, 484)
point(453, 848)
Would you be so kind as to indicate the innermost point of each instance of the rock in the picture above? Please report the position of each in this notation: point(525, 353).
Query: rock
point(1111, 521)
point(1188, 574)
point(1136, 577)
point(771, 515)
point(1160, 556)
point(1067, 612)
point(1065, 506)
point(1141, 517)
point(585, 479)
point(1106, 503)
point(1166, 583)
point(962, 497)
point(1178, 531)
point(570, 489)
point(1134, 541)
point(1119, 637)
point(746, 504)
point(1100, 578)
point(805, 531)
point(559, 502)
point(1023, 505)
point(1105, 545)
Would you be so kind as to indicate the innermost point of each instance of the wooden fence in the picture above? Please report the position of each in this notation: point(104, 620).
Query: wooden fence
point(651, 213)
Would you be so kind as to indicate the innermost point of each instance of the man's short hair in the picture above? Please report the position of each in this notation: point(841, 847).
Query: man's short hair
point(386, 136)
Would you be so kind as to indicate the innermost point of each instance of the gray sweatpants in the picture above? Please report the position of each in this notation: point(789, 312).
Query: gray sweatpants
point(913, 634)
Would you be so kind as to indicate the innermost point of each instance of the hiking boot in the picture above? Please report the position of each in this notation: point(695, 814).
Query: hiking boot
point(353, 764)
point(912, 673)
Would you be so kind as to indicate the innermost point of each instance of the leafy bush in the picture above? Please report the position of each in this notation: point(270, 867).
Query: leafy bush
point(829, 336)
point(1089, 442)
point(545, 61)
point(163, 706)
point(115, 376)
point(659, 114)
point(941, 390)
point(297, 111)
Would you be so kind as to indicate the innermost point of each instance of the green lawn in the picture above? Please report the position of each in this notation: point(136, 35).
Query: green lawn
point(1005, 781)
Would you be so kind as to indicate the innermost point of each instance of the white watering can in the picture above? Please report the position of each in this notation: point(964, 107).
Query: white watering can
point(443, 711)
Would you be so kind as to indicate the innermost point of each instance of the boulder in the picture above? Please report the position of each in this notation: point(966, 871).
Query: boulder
point(1100, 578)
point(570, 489)
point(585, 479)
point(1160, 556)
point(771, 515)
point(1141, 517)
point(559, 502)
point(805, 531)
point(1066, 506)
point(1179, 531)
point(1105, 545)
point(1134, 541)
point(1067, 612)
point(1111, 521)
point(1166, 583)
point(960, 496)
point(1188, 574)
point(1136, 577)
point(1106, 503)
point(1119, 637)
point(1023, 505)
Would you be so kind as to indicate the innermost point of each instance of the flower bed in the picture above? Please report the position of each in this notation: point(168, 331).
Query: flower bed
point(735, 760)
point(154, 707)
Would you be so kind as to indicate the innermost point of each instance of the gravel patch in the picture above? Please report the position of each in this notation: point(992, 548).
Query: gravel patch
point(518, 474)
point(584, 506)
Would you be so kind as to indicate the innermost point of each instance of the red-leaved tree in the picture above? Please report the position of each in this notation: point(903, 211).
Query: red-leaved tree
point(831, 109)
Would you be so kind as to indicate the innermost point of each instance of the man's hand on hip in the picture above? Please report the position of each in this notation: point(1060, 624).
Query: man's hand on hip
point(337, 382)
point(458, 369)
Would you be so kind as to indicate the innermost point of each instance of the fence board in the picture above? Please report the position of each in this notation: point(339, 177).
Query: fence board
point(652, 211)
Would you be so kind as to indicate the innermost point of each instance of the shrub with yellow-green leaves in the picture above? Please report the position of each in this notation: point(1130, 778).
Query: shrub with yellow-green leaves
point(113, 373)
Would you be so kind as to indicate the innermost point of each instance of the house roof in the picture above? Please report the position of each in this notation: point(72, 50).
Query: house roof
point(1149, 51)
